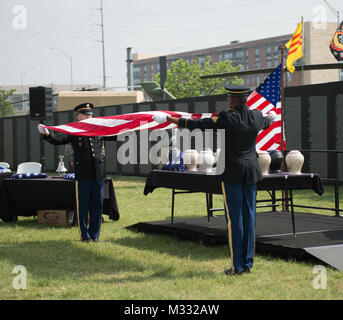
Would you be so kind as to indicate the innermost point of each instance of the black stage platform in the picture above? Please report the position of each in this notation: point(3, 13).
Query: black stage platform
point(318, 237)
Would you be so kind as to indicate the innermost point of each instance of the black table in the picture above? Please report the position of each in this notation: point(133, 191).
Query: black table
point(4, 175)
point(23, 197)
point(210, 183)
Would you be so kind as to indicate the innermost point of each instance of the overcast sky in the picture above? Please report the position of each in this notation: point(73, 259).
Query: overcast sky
point(30, 28)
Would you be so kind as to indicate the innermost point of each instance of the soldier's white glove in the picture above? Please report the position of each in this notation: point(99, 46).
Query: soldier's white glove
point(43, 130)
point(273, 115)
point(160, 118)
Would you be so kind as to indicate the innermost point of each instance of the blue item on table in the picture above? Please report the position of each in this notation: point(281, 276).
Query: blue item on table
point(29, 175)
point(175, 166)
point(69, 176)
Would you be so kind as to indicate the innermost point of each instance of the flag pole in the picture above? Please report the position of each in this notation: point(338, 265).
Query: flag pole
point(303, 48)
point(282, 49)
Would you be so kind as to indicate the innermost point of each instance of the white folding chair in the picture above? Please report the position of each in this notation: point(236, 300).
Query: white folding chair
point(5, 165)
point(29, 167)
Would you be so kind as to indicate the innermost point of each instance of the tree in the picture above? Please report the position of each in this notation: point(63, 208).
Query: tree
point(6, 107)
point(183, 78)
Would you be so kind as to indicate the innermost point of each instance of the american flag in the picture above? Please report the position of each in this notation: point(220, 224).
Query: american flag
point(114, 125)
point(267, 97)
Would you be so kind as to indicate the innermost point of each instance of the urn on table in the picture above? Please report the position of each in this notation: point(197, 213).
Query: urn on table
point(276, 161)
point(206, 160)
point(264, 161)
point(294, 161)
point(190, 159)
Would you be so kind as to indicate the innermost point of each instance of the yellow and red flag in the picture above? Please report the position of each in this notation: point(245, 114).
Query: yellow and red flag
point(295, 48)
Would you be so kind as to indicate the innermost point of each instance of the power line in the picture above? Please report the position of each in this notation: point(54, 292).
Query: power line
point(47, 45)
point(192, 29)
point(191, 11)
point(47, 29)
point(102, 44)
point(44, 60)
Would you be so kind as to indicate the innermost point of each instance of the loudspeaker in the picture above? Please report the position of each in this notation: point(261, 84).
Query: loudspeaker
point(40, 102)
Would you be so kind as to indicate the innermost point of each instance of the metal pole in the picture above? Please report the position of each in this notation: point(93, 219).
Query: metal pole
point(303, 48)
point(103, 47)
point(336, 186)
point(163, 74)
point(282, 49)
point(333, 10)
point(71, 73)
point(129, 62)
point(42, 147)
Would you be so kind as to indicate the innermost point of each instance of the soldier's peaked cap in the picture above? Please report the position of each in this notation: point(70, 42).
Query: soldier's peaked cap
point(237, 89)
point(85, 108)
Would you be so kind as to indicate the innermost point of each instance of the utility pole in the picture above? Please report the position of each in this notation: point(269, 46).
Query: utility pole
point(333, 10)
point(103, 45)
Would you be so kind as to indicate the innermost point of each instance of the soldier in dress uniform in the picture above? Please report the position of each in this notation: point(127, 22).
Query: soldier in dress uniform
point(241, 173)
point(88, 159)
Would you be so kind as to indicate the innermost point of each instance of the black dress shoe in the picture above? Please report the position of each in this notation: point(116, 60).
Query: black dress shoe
point(231, 272)
point(95, 239)
point(246, 270)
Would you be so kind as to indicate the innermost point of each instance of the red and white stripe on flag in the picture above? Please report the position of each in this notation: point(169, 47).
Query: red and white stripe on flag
point(114, 125)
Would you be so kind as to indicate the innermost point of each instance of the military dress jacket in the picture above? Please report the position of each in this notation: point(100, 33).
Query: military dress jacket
point(242, 126)
point(88, 154)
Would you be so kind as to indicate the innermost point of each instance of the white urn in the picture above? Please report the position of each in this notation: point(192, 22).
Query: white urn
point(206, 160)
point(264, 161)
point(294, 161)
point(190, 159)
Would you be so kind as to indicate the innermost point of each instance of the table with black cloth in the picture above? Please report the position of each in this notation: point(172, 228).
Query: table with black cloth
point(23, 197)
point(210, 183)
point(4, 175)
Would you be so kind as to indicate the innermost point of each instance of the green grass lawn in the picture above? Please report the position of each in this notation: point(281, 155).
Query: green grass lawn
point(132, 265)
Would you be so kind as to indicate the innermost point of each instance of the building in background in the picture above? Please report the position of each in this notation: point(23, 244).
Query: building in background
point(317, 51)
point(67, 100)
point(63, 99)
point(257, 54)
point(250, 55)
